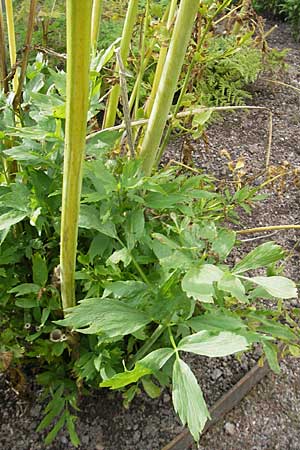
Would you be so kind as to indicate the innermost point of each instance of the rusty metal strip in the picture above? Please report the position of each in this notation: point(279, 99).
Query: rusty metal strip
point(225, 404)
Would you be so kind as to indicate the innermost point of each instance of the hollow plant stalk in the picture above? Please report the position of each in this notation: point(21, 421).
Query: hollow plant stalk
point(168, 82)
point(78, 63)
point(3, 68)
point(131, 15)
point(187, 77)
point(96, 19)
point(161, 61)
point(11, 39)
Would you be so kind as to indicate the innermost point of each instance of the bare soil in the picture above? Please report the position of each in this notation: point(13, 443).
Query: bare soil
point(268, 418)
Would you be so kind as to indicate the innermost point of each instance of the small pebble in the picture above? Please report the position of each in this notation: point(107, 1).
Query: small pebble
point(217, 373)
point(63, 440)
point(166, 398)
point(229, 428)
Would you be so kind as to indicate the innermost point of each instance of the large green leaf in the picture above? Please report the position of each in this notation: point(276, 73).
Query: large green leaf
point(89, 219)
point(124, 378)
point(216, 320)
point(11, 218)
point(261, 256)
point(111, 317)
point(272, 356)
point(224, 243)
point(146, 366)
point(207, 344)
point(134, 227)
point(233, 285)
point(280, 287)
point(188, 399)
point(39, 269)
point(198, 282)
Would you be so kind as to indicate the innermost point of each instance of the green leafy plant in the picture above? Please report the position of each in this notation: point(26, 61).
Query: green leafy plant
point(142, 276)
point(288, 9)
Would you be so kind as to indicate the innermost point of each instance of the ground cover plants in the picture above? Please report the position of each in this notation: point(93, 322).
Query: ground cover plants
point(113, 268)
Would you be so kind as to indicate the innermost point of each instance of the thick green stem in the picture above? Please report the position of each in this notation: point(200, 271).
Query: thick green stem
point(168, 82)
point(188, 75)
point(142, 57)
point(78, 63)
point(11, 39)
point(130, 19)
point(161, 61)
point(30, 27)
point(96, 19)
point(3, 68)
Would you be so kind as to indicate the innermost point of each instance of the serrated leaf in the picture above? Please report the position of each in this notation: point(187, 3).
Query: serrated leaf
point(188, 399)
point(39, 269)
point(224, 243)
point(24, 289)
point(125, 289)
point(107, 316)
point(134, 227)
point(272, 356)
point(233, 285)
point(198, 282)
point(207, 344)
point(90, 220)
point(261, 256)
point(279, 287)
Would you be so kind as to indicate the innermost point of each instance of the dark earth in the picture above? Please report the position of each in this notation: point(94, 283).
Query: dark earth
point(269, 417)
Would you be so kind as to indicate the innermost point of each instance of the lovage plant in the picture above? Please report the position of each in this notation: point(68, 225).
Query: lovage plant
point(112, 285)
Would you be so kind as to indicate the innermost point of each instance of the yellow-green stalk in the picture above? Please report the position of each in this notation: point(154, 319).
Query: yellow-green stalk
point(3, 68)
point(187, 77)
point(168, 82)
point(111, 111)
point(11, 39)
point(161, 61)
point(96, 19)
point(78, 50)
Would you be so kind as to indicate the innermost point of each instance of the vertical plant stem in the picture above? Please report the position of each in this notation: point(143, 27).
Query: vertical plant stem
point(188, 75)
point(130, 19)
point(96, 19)
point(11, 39)
point(161, 61)
point(3, 68)
point(78, 49)
point(124, 95)
point(142, 57)
point(168, 82)
point(30, 27)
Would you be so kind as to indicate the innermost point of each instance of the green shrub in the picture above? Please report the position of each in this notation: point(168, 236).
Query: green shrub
point(289, 10)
